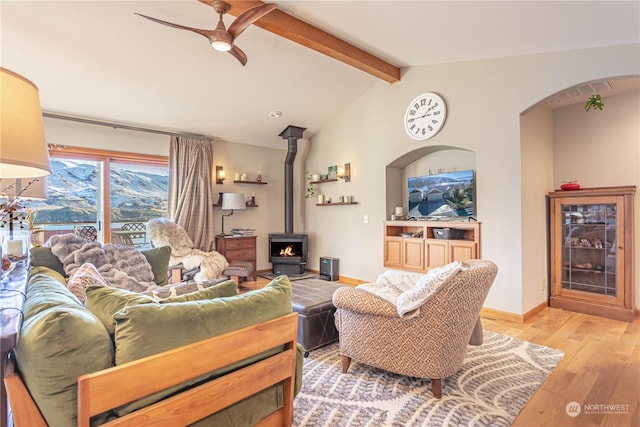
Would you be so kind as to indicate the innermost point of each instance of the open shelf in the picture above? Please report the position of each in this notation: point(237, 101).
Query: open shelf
point(322, 181)
point(336, 204)
point(249, 182)
point(218, 205)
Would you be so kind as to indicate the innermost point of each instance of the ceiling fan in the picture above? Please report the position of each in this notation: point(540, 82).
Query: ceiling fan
point(220, 38)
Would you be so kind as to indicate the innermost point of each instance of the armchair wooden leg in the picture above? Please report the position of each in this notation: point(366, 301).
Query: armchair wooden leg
point(346, 361)
point(436, 387)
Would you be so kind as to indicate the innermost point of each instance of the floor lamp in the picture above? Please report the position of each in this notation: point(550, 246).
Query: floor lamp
point(232, 201)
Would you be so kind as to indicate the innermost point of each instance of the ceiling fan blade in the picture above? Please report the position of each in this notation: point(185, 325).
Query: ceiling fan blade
point(248, 17)
point(202, 32)
point(239, 54)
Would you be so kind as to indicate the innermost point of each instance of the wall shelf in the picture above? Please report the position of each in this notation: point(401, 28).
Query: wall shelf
point(250, 182)
point(218, 205)
point(336, 204)
point(322, 181)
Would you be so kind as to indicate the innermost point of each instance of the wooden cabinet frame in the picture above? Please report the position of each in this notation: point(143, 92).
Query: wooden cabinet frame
point(592, 251)
point(413, 246)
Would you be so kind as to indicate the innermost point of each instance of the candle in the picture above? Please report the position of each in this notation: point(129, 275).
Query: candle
point(14, 247)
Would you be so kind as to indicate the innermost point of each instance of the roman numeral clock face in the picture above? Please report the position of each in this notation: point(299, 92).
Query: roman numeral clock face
point(425, 116)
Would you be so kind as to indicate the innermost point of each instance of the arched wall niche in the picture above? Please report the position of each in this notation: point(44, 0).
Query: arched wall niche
point(422, 161)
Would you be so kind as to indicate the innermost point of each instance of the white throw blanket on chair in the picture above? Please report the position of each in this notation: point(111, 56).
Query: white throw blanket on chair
point(164, 232)
point(409, 291)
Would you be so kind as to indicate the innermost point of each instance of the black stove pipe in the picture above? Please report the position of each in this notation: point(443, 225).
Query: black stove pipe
point(291, 134)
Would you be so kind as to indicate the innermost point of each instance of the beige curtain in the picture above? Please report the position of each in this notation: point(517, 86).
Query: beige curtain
point(191, 189)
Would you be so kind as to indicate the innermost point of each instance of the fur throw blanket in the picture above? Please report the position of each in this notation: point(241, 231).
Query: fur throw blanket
point(409, 291)
point(122, 267)
point(164, 232)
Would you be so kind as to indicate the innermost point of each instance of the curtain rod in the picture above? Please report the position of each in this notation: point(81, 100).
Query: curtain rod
point(119, 125)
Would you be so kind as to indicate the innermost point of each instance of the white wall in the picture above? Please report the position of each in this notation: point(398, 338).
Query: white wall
point(601, 149)
point(485, 100)
point(268, 217)
point(536, 142)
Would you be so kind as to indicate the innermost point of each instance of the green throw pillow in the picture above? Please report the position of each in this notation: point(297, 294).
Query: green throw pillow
point(47, 289)
point(59, 341)
point(158, 258)
point(42, 256)
point(104, 302)
point(146, 329)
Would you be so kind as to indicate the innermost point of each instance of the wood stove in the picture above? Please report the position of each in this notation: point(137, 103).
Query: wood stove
point(288, 250)
point(288, 253)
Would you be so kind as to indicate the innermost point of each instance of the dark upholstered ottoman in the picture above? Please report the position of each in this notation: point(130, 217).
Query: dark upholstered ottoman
point(311, 299)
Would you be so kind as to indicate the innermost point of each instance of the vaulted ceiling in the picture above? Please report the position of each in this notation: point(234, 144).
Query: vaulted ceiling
point(307, 59)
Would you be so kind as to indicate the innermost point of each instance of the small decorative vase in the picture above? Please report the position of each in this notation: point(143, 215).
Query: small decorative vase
point(320, 199)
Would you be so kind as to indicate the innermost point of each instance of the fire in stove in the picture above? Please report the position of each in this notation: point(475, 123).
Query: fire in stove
point(288, 251)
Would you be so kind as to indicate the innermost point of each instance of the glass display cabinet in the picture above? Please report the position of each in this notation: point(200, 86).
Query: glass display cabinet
point(592, 251)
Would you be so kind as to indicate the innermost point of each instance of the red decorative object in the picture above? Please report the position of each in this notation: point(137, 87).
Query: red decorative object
point(570, 186)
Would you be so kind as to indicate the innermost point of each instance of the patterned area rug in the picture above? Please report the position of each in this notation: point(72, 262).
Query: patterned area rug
point(495, 382)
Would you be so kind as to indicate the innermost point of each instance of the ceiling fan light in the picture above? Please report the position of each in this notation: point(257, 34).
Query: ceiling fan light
point(221, 45)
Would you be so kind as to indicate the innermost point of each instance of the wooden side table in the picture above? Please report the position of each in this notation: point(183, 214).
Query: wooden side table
point(238, 248)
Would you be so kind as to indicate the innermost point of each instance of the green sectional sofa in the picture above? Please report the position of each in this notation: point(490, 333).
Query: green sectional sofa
point(62, 340)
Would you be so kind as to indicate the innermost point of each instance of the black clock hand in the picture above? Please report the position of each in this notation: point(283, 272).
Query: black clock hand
point(426, 112)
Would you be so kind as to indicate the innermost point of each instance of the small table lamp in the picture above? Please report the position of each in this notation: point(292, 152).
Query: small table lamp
point(231, 201)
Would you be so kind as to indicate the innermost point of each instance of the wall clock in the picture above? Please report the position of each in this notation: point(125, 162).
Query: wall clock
point(425, 116)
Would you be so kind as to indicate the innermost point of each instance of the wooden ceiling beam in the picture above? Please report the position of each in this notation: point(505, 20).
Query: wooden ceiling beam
point(296, 30)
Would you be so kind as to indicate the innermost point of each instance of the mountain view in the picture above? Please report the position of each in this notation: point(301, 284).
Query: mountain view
point(138, 193)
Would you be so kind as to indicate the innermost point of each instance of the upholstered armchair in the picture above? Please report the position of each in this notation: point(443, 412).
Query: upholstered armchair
point(431, 344)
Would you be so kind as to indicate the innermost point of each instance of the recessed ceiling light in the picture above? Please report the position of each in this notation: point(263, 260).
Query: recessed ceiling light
point(275, 114)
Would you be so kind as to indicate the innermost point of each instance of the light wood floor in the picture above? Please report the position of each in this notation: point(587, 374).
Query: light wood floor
point(601, 366)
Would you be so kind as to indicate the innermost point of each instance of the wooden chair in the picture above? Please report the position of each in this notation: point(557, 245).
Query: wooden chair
point(87, 232)
point(134, 237)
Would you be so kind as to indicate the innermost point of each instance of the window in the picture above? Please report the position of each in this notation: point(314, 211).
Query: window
point(103, 196)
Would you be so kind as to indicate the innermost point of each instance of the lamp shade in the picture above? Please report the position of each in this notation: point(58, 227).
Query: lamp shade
point(233, 201)
point(23, 149)
point(11, 188)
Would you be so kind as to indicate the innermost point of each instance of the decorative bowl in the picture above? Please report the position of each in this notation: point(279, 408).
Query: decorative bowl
point(570, 186)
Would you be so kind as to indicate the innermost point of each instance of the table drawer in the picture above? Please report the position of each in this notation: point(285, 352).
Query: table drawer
point(238, 243)
point(240, 255)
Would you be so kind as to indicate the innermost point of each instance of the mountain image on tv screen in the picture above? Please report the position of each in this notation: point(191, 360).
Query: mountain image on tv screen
point(444, 195)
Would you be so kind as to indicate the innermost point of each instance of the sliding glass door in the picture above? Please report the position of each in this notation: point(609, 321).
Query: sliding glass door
point(103, 196)
point(138, 192)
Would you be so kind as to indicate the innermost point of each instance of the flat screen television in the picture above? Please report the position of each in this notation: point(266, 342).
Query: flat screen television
point(449, 195)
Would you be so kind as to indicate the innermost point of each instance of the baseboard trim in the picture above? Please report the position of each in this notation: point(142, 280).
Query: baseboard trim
point(492, 313)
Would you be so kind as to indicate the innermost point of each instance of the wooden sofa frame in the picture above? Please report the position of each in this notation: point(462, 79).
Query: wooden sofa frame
point(103, 390)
